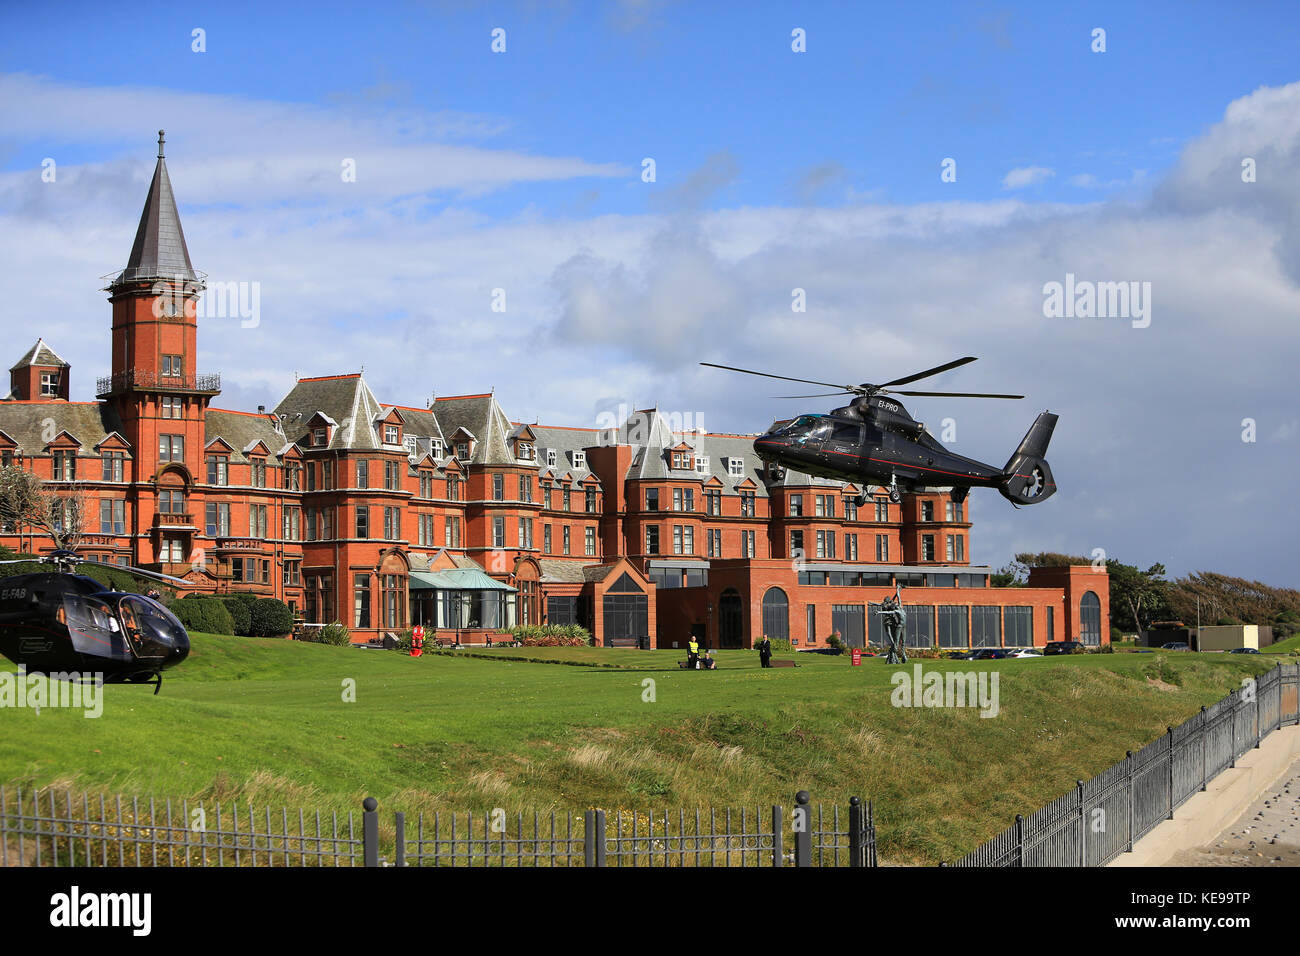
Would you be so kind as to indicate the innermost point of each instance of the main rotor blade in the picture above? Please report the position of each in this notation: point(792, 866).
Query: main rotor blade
point(155, 575)
point(930, 371)
point(955, 394)
point(807, 381)
point(818, 395)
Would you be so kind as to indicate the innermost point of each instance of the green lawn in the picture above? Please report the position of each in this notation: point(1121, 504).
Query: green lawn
point(265, 722)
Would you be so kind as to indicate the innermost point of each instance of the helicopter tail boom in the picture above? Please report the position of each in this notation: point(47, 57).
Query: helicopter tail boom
point(1027, 478)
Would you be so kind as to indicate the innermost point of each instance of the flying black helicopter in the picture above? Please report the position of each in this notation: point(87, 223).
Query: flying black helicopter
point(61, 622)
point(874, 441)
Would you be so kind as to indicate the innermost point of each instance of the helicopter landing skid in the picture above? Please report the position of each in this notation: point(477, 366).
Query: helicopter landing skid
point(894, 494)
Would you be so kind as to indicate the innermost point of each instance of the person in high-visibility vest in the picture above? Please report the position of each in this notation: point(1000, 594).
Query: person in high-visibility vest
point(417, 641)
point(692, 652)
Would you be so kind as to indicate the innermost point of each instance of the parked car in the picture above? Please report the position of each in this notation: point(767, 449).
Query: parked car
point(1027, 652)
point(1063, 647)
point(989, 654)
point(958, 655)
point(1176, 646)
point(1243, 650)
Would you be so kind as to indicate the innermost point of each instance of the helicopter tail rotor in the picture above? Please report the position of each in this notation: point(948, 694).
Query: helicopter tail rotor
point(1027, 478)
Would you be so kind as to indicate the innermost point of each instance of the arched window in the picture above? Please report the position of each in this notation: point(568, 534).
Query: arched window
point(776, 614)
point(1090, 619)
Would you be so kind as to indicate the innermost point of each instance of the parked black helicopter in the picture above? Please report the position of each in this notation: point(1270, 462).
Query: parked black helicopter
point(59, 622)
point(874, 441)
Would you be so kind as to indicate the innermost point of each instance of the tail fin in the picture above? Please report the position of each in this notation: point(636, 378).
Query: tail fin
point(1027, 478)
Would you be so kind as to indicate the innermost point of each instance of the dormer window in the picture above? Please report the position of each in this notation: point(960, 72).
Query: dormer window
point(411, 445)
point(525, 451)
point(579, 459)
point(392, 435)
point(462, 449)
point(320, 437)
point(682, 461)
point(436, 448)
point(49, 384)
point(736, 467)
point(550, 457)
point(702, 464)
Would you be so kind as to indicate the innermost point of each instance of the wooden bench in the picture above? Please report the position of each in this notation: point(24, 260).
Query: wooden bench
point(784, 664)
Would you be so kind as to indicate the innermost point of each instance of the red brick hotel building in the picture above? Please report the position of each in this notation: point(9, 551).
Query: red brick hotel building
point(453, 515)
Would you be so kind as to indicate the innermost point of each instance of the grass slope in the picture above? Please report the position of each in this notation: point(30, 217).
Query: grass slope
point(264, 722)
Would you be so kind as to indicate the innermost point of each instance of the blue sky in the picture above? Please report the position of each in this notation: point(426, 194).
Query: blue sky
point(776, 170)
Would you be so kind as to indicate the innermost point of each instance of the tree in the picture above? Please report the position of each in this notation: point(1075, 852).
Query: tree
point(1137, 597)
point(58, 510)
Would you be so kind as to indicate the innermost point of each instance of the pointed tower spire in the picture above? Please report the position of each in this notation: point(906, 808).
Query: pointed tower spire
point(159, 251)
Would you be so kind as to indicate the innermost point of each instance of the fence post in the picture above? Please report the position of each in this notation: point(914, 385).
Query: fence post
point(600, 838)
point(1020, 840)
point(1083, 825)
point(1170, 732)
point(1258, 728)
point(1232, 740)
point(1204, 769)
point(871, 831)
point(399, 854)
point(778, 837)
point(855, 831)
point(1128, 785)
point(588, 838)
point(802, 819)
point(370, 832)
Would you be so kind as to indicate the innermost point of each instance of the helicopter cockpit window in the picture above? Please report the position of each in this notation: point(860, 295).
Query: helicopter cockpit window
point(88, 618)
point(810, 428)
point(151, 628)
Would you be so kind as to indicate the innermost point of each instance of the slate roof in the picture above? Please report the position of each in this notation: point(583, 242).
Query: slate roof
point(242, 432)
point(564, 442)
point(482, 417)
point(159, 250)
point(39, 354)
point(28, 424)
point(346, 399)
point(555, 570)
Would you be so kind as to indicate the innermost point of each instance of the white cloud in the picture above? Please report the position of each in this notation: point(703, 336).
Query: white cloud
point(1023, 176)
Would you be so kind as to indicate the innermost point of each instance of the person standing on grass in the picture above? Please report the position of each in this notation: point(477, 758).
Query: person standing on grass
point(765, 651)
point(692, 652)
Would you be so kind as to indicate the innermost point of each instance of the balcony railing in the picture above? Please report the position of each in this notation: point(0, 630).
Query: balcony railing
point(119, 382)
point(173, 520)
point(240, 544)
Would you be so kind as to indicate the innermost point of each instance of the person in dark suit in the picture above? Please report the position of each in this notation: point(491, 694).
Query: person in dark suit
point(765, 652)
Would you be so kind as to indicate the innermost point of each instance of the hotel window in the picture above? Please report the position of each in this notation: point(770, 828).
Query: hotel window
point(652, 499)
point(677, 539)
point(326, 475)
point(850, 510)
point(392, 524)
point(453, 488)
point(713, 538)
point(882, 547)
point(677, 499)
point(65, 465)
point(172, 367)
point(218, 470)
point(796, 543)
point(361, 600)
point(173, 551)
point(826, 506)
point(566, 500)
point(498, 532)
point(425, 532)
point(392, 592)
point(462, 449)
point(927, 510)
point(112, 516)
point(579, 459)
point(363, 473)
point(411, 445)
point(850, 547)
point(682, 461)
point(393, 475)
point(652, 539)
point(550, 457)
point(546, 539)
point(292, 573)
point(293, 476)
point(49, 384)
point(826, 544)
point(747, 504)
point(955, 550)
point(435, 447)
point(736, 467)
point(882, 511)
point(257, 521)
point(954, 511)
point(114, 465)
point(525, 451)
point(796, 506)
point(526, 488)
point(171, 502)
point(525, 532)
point(326, 523)
point(566, 544)
point(590, 542)
point(258, 466)
point(426, 484)
point(590, 496)
point(451, 532)
point(217, 523)
point(746, 542)
point(392, 436)
point(713, 502)
point(319, 436)
point(293, 524)
point(702, 464)
point(546, 496)
point(363, 521)
point(173, 407)
point(927, 547)
point(498, 487)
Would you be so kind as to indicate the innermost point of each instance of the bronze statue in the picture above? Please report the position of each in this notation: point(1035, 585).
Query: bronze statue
point(894, 621)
